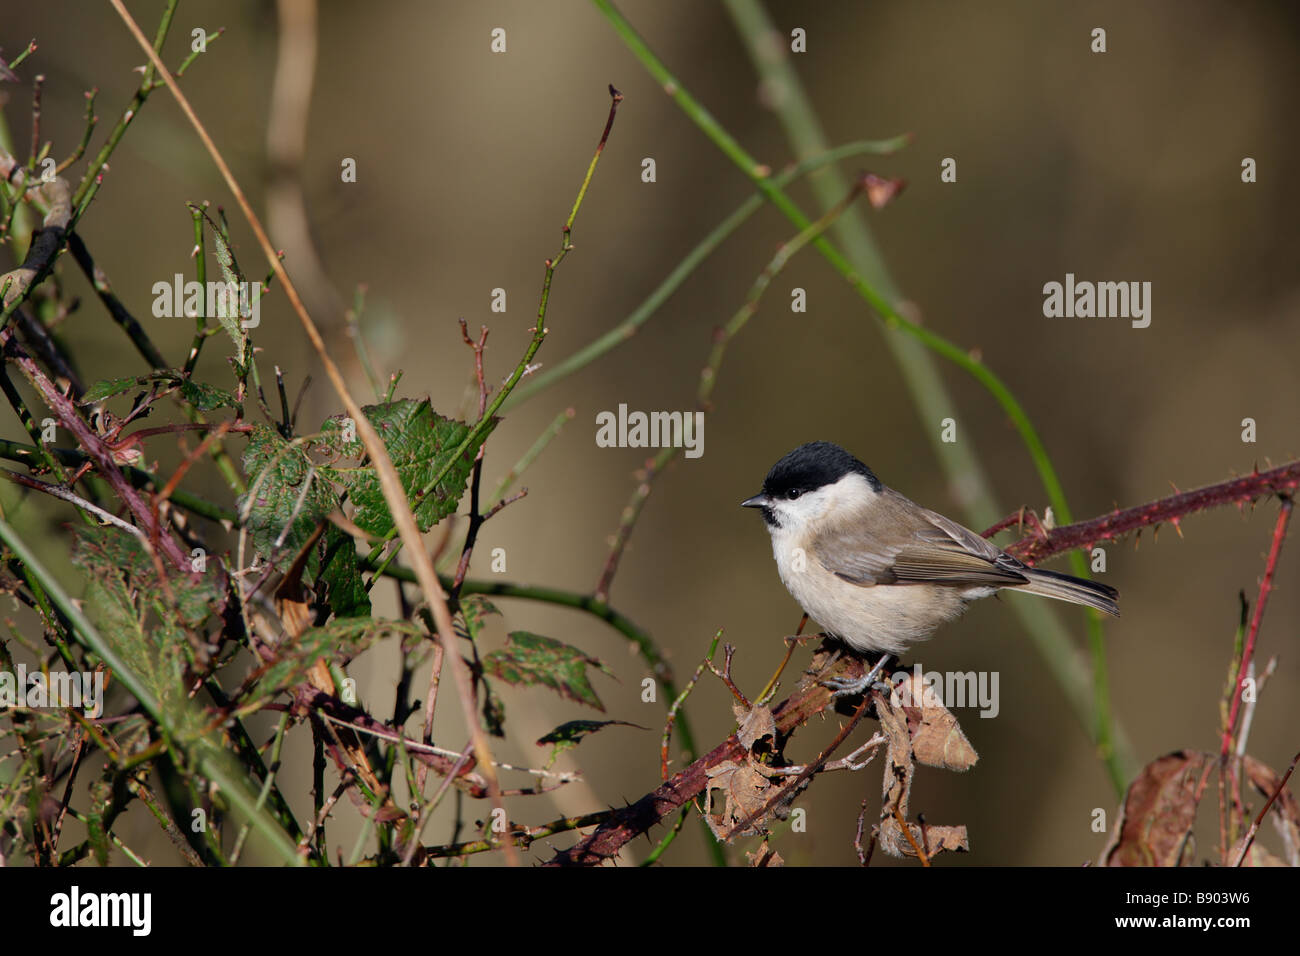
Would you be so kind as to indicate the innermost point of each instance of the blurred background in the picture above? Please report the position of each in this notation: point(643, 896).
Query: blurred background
point(1122, 166)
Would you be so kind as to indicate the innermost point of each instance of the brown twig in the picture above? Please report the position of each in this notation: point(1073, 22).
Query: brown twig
point(864, 858)
point(724, 675)
point(907, 832)
point(1254, 827)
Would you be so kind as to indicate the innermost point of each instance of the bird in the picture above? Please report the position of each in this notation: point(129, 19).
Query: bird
point(878, 571)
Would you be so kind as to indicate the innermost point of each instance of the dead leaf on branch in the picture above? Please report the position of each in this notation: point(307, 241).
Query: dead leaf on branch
point(746, 788)
point(1285, 812)
point(937, 738)
point(900, 767)
point(1155, 821)
point(764, 856)
point(754, 724)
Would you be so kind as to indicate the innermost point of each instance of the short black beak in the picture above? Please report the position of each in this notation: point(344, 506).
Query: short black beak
point(758, 501)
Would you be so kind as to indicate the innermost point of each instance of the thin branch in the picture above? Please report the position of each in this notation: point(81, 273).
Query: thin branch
point(58, 491)
point(1254, 827)
point(1265, 588)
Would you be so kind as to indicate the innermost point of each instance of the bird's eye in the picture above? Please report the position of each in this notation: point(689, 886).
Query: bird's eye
point(793, 493)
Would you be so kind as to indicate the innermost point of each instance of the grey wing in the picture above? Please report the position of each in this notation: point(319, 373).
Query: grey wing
point(925, 548)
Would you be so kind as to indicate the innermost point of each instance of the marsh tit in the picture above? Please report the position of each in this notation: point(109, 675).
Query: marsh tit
point(876, 569)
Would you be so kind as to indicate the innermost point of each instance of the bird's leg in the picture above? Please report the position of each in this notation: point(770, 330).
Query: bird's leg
point(847, 687)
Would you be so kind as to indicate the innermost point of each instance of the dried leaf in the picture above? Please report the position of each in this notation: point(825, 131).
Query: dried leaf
point(1159, 810)
point(746, 788)
point(897, 784)
point(1255, 856)
point(755, 724)
point(1285, 812)
point(764, 856)
point(937, 738)
point(930, 839)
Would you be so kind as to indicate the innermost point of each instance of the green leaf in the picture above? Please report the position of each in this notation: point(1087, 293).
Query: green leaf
point(201, 396)
point(569, 735)
point(475, 608)
point(533, 659)
point(420, 443)
point(108, 388)
point(122, 590)
point(342, 588)
point(206, 397)
point(285, 490)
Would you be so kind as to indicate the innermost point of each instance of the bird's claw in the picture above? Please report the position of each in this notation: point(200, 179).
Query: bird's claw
point(851, 686)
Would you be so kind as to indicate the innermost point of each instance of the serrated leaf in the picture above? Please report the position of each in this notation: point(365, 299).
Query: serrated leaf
point(287, 491)
point(107, 389)
point(206, 397)
point(420, 443)
point(122, 589)
point(533, 659)
point(476, 609)
point(568, 735)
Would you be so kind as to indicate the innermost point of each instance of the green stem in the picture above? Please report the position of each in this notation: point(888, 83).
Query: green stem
point(138, 477)
point(625, 329)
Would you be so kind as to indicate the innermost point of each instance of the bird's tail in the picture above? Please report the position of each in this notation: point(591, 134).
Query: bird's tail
point(1064, 587)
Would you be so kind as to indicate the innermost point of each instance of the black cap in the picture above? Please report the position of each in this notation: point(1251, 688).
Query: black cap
point(813, 466)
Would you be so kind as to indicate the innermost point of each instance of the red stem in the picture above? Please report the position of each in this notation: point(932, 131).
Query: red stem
point(1265, 587)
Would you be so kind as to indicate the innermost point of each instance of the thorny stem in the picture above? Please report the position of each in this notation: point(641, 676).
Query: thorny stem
point(1265, 588)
